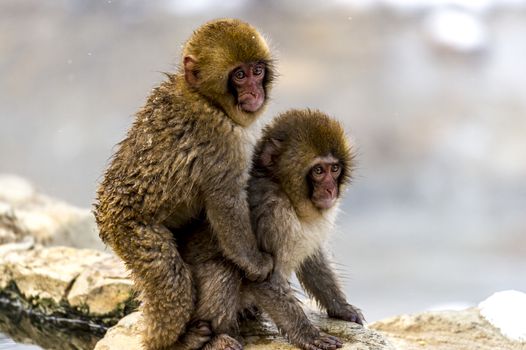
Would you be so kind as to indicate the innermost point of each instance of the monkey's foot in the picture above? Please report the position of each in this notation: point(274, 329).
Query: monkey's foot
point(322, 342)
point(223, 342)
point(197, 335)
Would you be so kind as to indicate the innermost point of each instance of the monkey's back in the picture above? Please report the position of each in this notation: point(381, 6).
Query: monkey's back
point(169, 153)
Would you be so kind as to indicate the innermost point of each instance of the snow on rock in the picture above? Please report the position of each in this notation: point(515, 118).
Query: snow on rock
point(26, 212)
point(506, 310)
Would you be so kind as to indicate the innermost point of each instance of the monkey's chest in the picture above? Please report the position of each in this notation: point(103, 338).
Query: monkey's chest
point(305, 242)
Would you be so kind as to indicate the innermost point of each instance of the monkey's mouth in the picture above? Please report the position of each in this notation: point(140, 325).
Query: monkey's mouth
point(324, 200)
point(325, 203)
point(250, 101)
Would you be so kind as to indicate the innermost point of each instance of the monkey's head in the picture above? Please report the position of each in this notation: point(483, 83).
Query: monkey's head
point(308, 154)
point(228, 62)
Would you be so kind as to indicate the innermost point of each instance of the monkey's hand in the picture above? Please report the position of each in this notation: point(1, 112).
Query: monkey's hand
point(322, 342)
point(348, 313)
point(260, 269)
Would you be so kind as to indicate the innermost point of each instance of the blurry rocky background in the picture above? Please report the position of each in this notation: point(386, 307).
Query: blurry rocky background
point(432, 92)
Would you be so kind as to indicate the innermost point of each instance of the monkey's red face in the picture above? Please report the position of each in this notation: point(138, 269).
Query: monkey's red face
point(247, 81)
point(324, 176)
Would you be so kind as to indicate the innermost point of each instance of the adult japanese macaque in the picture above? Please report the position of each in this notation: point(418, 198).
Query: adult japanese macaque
point(300, 167)
point(186, 158)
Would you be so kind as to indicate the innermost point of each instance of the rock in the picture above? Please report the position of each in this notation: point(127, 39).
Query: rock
point(26, 243)
point(356, 336)
point(25, 212)
point(61, 295)
point(445, 330)
point(14, 189)
point(46, 273)
point(126, 335)
point(102, 288)
point(91, 290)
point(11, 230)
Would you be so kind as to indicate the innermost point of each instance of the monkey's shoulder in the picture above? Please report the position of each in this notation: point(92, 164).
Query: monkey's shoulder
point(177, 122)
point(272, 214)
point(267, 197)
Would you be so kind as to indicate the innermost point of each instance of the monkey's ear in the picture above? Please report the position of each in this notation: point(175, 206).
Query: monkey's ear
point(270, 151)
point(190, 70)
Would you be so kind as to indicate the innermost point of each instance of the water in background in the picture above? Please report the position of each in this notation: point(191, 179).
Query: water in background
point(7, 343)
point(436, 211)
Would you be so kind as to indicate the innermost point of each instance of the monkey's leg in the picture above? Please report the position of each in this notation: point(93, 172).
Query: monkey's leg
point(319, 280)
point(278, 301)
point(218, 284)
point(164, 281)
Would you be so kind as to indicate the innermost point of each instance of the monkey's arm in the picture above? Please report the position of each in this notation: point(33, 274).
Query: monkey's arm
point(319, 280)
point(229, 217)
point(277, 299)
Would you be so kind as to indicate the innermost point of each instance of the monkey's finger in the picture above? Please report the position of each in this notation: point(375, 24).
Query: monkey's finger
point(357, 319)
point(203, 331)
point(332, 339)
point(320, 343)
point(234, 347)
point(353, 316)
point(261, 279)
point(203, 328)
point(357, 313)
point(310, 347)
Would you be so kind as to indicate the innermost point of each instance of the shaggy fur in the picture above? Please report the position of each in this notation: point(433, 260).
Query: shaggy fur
point(185, 158)
point(288, 226)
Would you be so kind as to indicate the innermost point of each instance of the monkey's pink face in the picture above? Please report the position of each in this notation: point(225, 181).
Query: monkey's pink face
point(247, 81)
point(324, 176)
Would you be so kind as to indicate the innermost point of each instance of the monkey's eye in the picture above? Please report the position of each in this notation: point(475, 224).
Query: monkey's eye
point(258, 70)
point(335, 168)
point(317, 170)
point(239, 74)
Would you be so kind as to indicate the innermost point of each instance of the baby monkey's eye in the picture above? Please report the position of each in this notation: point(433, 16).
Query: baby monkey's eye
point(317, 170)
point(239, 74)
point(258, 70)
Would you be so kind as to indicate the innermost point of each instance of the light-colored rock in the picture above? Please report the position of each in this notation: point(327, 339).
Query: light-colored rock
point(46, 273)
point(124, 335)
point(14, 189)
point(356, 336)
point(258, 336)
point(11, 229)
point(25, 212)
point(102, 287)
point(26, 243)
point(445, 330)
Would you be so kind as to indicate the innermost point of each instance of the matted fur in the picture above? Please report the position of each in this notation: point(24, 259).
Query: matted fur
point(185, 158)
point(286, 226)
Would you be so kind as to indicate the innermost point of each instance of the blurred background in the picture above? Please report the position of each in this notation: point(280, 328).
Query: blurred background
point(433, 94)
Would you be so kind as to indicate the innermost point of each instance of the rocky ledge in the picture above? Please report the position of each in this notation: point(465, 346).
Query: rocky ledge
point(51, 291)
point(53, 294)
point(437, 330)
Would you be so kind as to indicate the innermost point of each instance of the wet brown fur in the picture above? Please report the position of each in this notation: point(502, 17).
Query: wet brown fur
point(185, 158)
point(288, 226)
